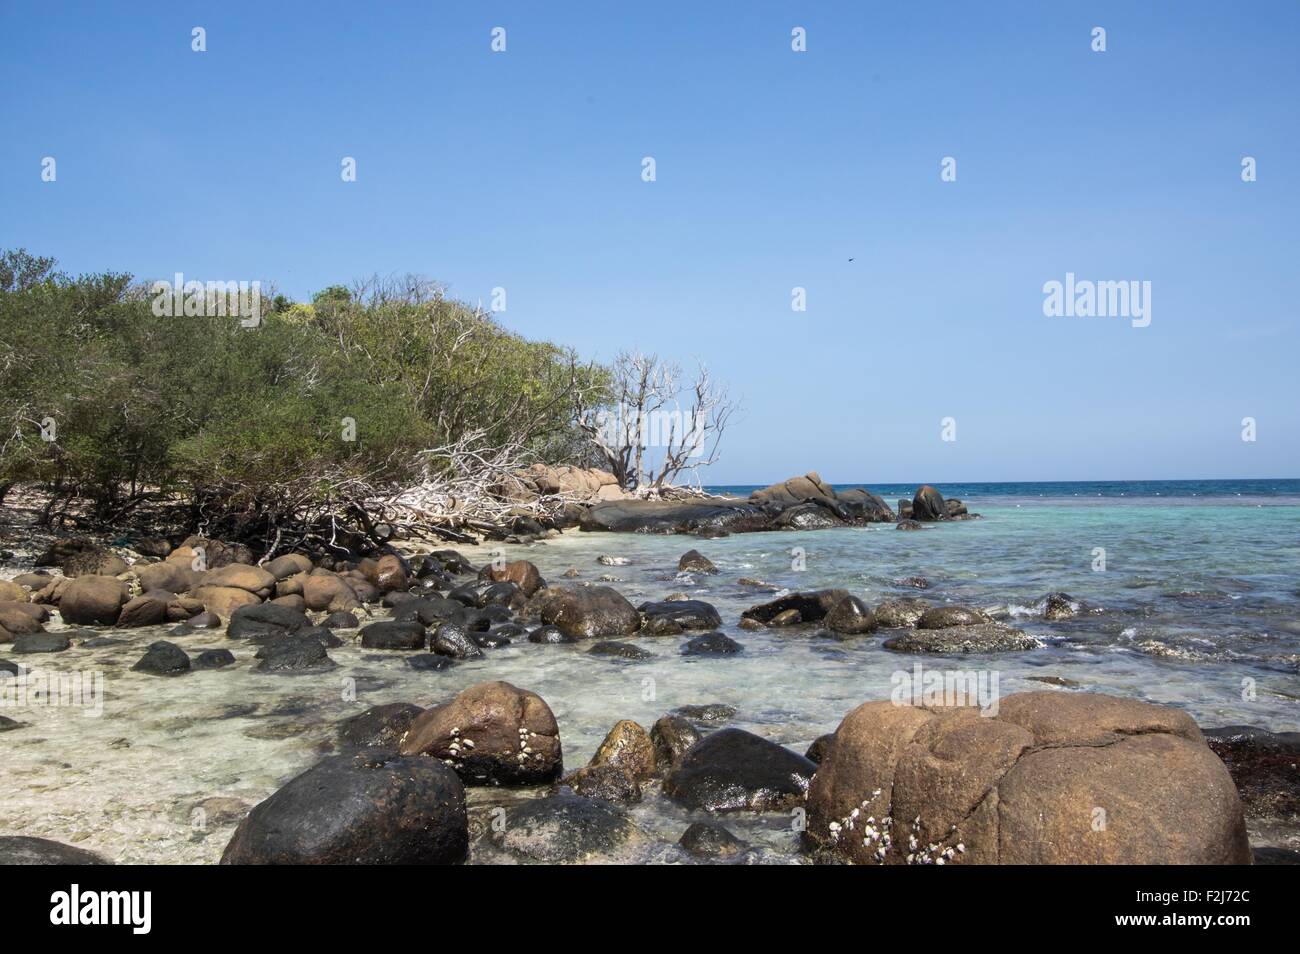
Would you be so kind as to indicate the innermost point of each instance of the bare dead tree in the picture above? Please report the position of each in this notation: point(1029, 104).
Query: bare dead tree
point(640, 428)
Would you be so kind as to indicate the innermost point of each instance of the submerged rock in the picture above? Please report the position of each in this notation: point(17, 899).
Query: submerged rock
point(710, 841)
point(1025, 786)
point(619, 650)
point(693, 561)
point(734, 770)
point(606, 782)
point(370, 808)
point(565, 828)
point(711, 644)
point(293, 653)
point(41, 643)
point(980, 638)
point(163, 659)
point(1058, 606)
point(22, 850)
point(263, 620)
point(550, 635)
point(394, 634)
point(214, 659)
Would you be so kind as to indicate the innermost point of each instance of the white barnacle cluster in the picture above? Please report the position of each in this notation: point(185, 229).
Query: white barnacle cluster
point(933, 853)
point(457, 748)
point(873, 832)
point(525, 749)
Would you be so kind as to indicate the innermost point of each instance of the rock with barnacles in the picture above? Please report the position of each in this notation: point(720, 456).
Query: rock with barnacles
point(491, 734)
point(693, 561)
point(962, 640)
point(897, 614)
point(1051, 778)
point(735, 770)
point(372, 808)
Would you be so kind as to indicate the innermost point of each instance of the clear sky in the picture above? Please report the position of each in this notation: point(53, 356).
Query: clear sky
point(774, 168)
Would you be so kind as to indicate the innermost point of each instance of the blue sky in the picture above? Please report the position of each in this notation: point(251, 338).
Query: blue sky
point(774, 168)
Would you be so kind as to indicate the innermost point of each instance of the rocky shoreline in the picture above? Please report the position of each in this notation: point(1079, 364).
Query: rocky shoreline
point(914, 783)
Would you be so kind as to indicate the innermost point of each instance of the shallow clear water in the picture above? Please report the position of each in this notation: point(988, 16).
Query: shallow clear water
point(1197, 604)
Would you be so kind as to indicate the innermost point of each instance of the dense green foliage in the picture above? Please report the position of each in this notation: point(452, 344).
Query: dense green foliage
point(342, 393)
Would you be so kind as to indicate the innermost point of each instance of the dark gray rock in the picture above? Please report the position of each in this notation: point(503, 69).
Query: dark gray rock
point(565, 828)
point(394, 634)
point(710, 841)
point(214, 659)
point(382, 725)
point(163, 659)
point(40, 643)
point(371, 808)
point(711, 644)
point(618, 650)
point(22, 850)
point(979, 638)
point(734, 770)
point(451, 639)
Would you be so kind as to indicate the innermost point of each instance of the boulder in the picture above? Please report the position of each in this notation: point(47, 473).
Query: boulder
point(492, 734)
point(41, 643)
point(585, 612)
point(735, 770)
point(254, 579)
point(617, 649)
point(710, 841)
point(259, 621)
point(390, 573)
point(224, 600)
point(1266, 769)
point(293, 652)
point(21, 618)
point(628, 748)
point(606, 782)
point(979, 638)
point(291, 564)
point(394, 634)
point(382, 725)
point(216, 553)
point(711, 644)
point(896, 614)
point(452, 639)
point(941, 617)
point(372, 808)
point(808, 607)
point(341, 619)
point(163, 659)
point(93, 600)
point(551, 635)
point(565, 828)
point(672, 736)
point(865, 506)
point(1053, 778)
point(214, 659)
point(325, 591)
point(169, 575)
point(24, 850)
point(850, 617)
point(709, 516)
point(1057, 606)
point(928, 504)
point(147, 609)
point(671, 617)
point(11, 592)
point(693, 561)
point(522, 573)
point(796, 490)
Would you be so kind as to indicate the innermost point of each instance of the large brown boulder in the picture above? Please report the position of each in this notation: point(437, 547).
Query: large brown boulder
point(928, 504)
point(491, 734)
point(283, 567)
point(1052, 778)
point(241, 576)
point(585, 612)
point(23, 618)
point(795, 490)
point(93, 600)
point(224, 600)
point(11, 592)
point(522, 573)
point(327, 591)
point(174, 576)
point(628, 748)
